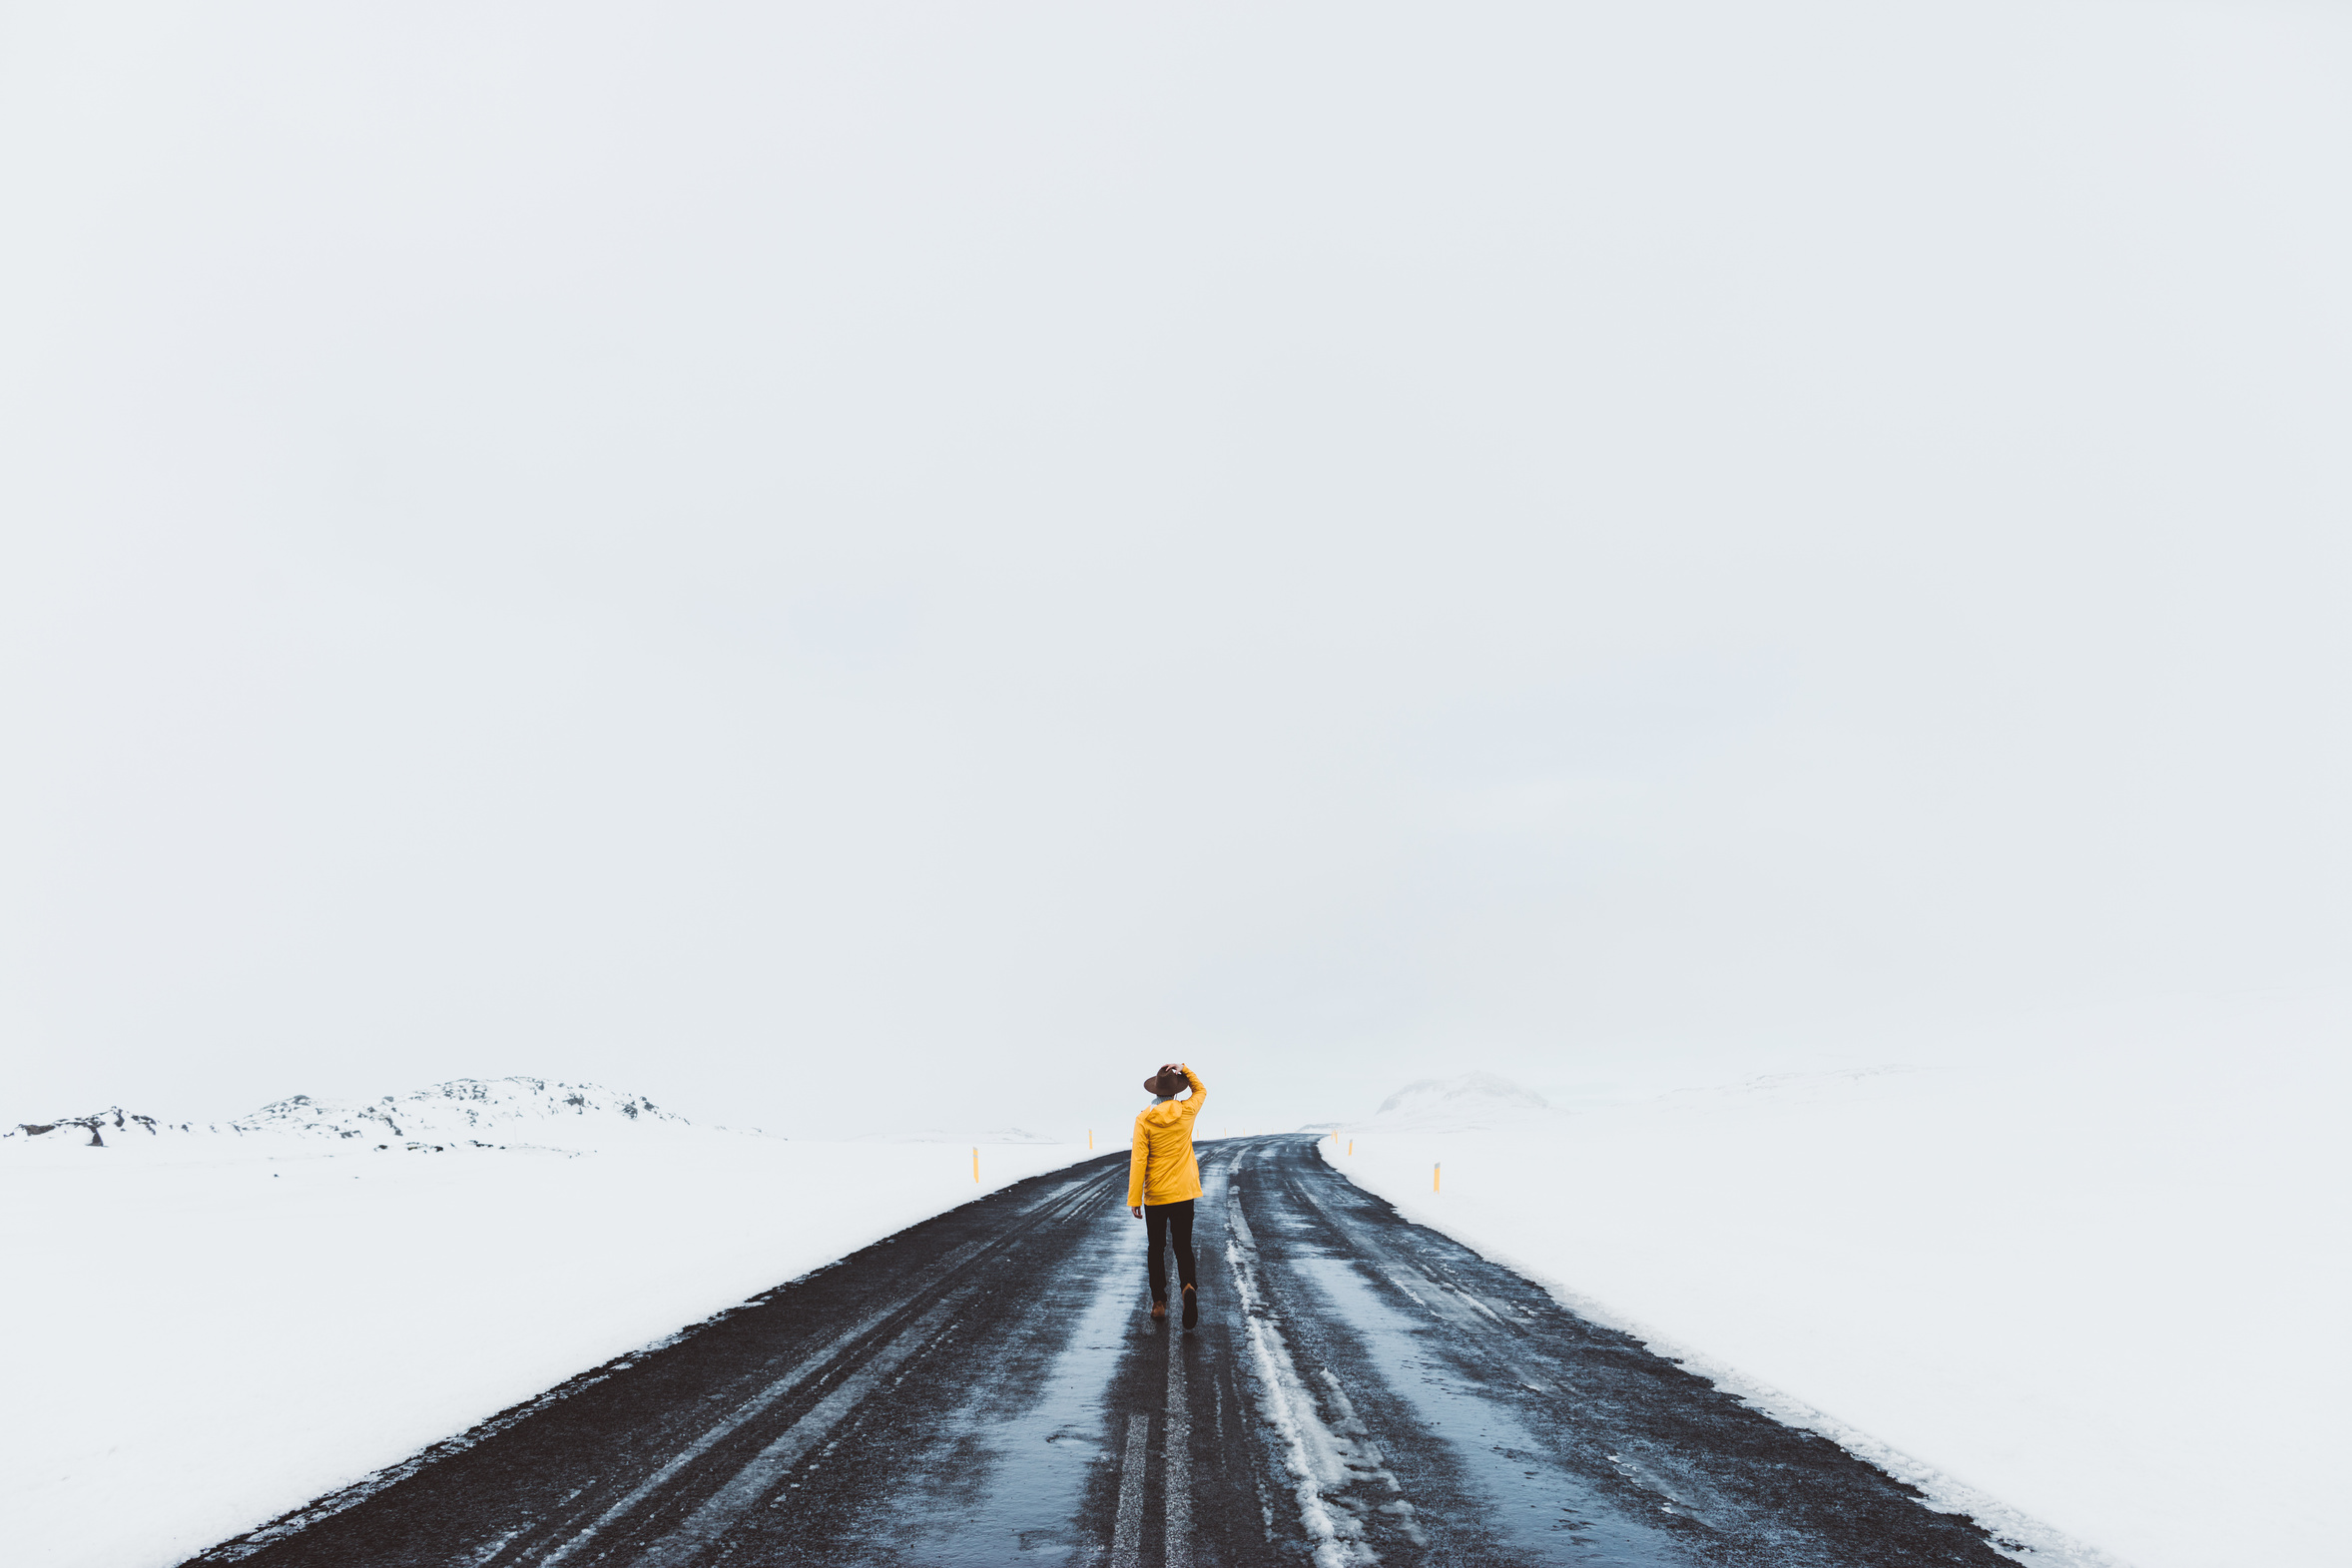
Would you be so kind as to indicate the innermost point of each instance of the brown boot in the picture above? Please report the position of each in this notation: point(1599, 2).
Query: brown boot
point(1159, 1309)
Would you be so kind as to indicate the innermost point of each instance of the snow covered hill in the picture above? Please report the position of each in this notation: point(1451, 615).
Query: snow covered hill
point(492, 1112)
point(1471, 1100)
point(498, 1110)
point(88, 1131)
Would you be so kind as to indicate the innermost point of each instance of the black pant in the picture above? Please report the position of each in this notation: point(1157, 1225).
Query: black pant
point(1159, 1219)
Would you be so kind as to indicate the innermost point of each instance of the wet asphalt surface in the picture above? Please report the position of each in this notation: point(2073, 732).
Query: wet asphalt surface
point(986, 1387)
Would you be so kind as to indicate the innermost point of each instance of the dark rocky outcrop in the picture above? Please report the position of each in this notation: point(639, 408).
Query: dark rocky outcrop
point(113, 1118)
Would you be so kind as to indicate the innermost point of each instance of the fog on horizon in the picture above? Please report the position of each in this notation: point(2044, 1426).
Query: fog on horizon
point(900, 565)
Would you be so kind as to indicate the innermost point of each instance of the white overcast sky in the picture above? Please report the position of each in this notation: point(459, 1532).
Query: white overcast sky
point(838, 564)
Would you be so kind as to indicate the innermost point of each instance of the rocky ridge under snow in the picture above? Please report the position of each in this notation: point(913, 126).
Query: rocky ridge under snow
point(487, 1113)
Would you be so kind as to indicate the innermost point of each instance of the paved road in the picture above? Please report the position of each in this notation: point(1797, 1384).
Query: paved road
point(985, 1388)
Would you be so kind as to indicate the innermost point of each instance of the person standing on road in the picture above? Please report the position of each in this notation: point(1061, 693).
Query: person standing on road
point(1163, 1178)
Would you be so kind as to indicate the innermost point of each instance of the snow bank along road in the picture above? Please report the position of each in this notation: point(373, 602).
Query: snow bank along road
point(985, 1387)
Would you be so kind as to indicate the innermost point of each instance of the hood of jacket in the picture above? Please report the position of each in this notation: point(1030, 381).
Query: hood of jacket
point(1163, 1113)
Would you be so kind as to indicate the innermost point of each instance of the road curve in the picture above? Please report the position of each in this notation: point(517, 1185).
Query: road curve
point(985, 1388)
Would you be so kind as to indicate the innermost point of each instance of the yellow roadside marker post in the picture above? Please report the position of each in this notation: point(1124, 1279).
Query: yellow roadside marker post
point(1089, 1140)
point(1434, 1172)
point(976, 1165)
point(1350, 1147)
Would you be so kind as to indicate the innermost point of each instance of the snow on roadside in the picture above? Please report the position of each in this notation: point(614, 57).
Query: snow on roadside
point(202, 1332)
point(2094, 1277)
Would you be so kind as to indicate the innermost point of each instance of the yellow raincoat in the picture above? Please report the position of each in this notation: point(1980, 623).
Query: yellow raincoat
point(1162, 1169)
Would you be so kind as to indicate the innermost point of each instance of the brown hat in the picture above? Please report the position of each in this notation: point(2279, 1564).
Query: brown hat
point(1169, 1080)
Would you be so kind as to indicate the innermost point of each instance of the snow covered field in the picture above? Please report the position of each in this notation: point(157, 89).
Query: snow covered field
point(2098, 1274)
point(204, 1331)
point(2084, 1278)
